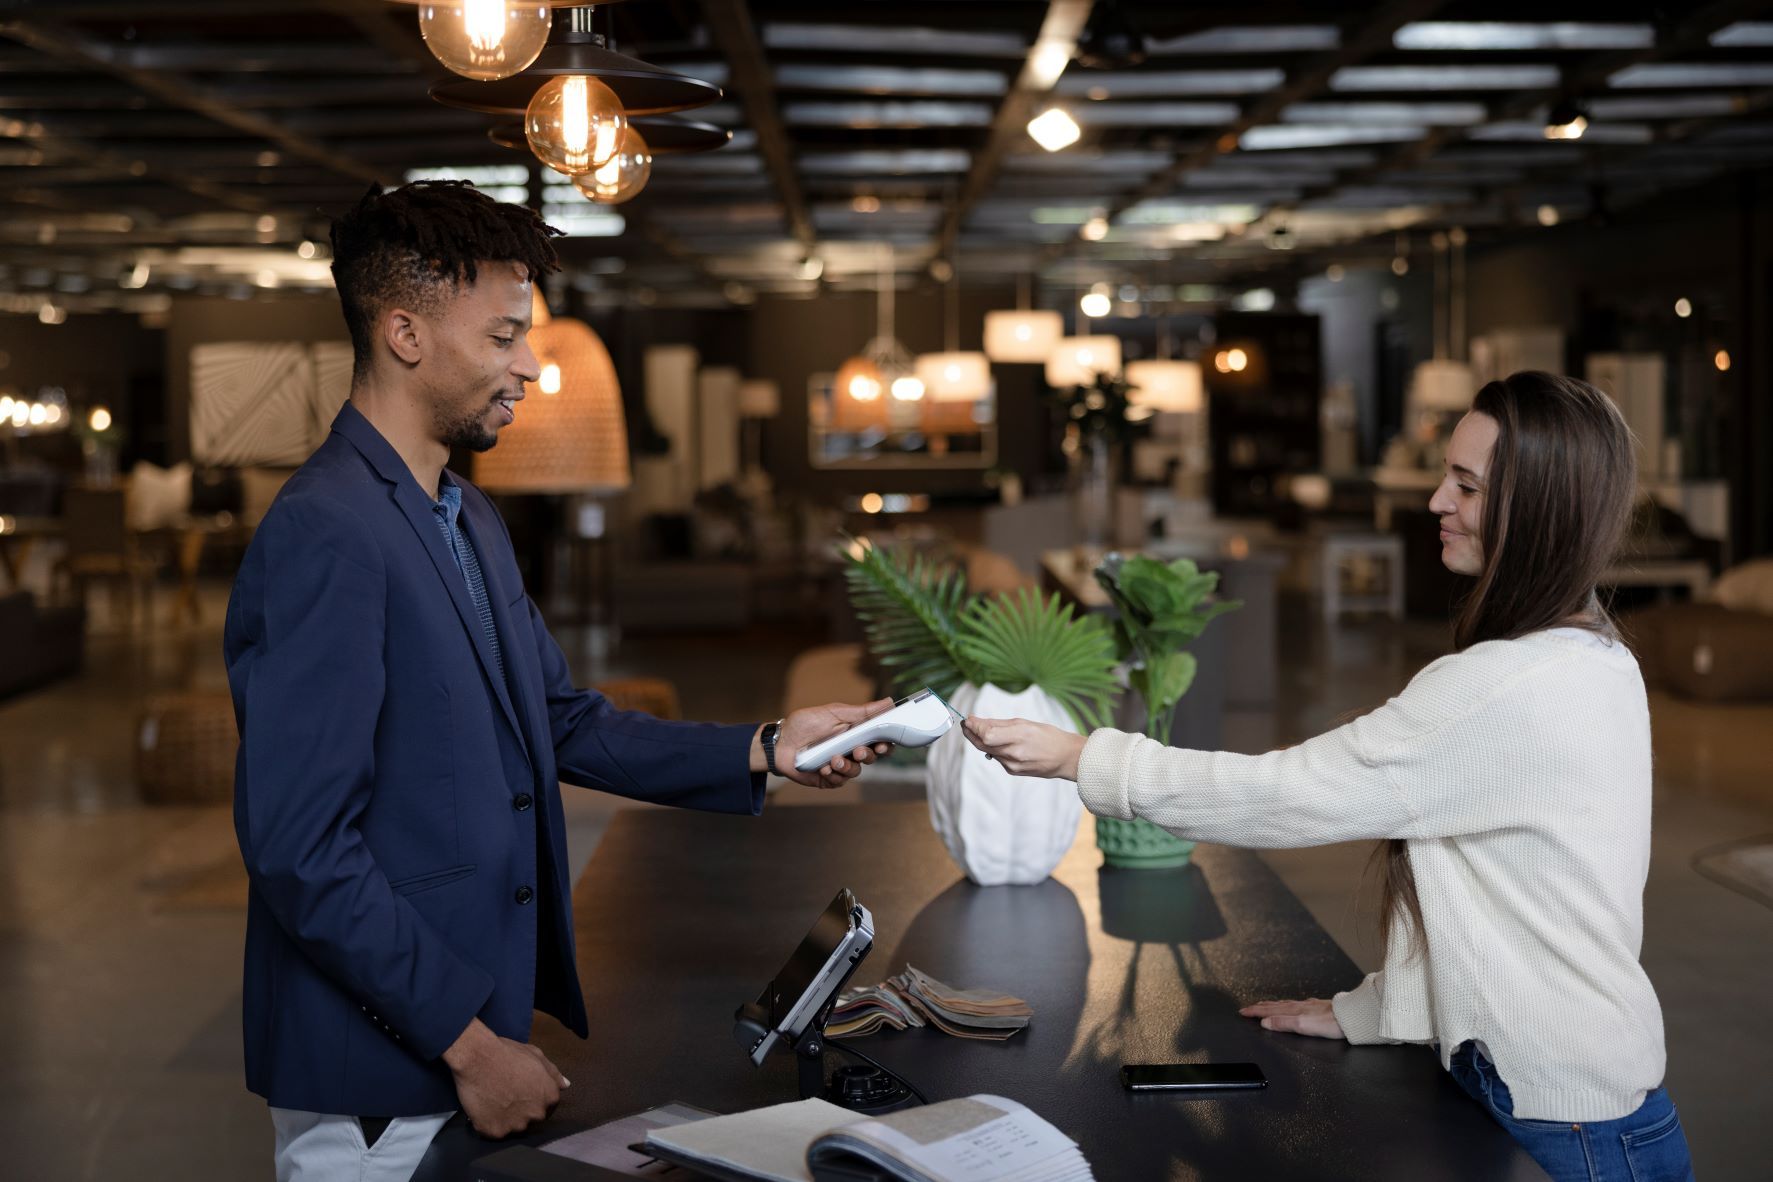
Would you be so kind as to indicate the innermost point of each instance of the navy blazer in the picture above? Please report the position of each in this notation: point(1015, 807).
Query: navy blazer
point(397, 804)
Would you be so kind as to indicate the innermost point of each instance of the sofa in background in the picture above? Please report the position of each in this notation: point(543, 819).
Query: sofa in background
point(1717, 650)
point(41, 644)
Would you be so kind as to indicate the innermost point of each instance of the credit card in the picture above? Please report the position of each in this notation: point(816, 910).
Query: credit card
point(958, 716)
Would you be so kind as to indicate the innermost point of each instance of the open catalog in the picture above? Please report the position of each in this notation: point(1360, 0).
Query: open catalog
point(976, 1139)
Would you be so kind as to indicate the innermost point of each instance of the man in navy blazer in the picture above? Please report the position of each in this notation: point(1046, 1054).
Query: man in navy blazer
point(405, 718)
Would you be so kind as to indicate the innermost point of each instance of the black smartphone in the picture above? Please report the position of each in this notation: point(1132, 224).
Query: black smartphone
point(1191, 1077)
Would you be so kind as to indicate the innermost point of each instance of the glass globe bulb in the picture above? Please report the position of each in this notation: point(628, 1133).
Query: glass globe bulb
point(859, 378)
point(575, 124)
point(622, 175)
point(485, 39)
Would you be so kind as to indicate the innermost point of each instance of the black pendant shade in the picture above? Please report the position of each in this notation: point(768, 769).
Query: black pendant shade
point(643, 88)
point(664, 135)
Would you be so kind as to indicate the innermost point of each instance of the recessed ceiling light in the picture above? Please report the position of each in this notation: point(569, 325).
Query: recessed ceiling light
point(1658, 75)
point(1162, 83)
point(1420, 78)
point(1493, 35)
point(1744, 35)
point(1283, 136)
point(1251, 39)
point(890, 80)
point(1054, 129)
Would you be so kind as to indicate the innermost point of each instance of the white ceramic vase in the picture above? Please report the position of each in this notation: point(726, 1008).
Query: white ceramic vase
point(1000, 828)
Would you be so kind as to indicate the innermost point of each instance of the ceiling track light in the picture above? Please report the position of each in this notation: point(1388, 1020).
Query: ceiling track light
point(1110, 41)
point(1565, 121)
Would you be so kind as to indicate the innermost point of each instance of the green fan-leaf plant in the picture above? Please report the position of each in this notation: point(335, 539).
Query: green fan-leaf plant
point(910, 610)
point(926, 629)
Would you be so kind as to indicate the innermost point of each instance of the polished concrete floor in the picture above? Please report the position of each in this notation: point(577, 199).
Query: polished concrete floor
point(121, 924)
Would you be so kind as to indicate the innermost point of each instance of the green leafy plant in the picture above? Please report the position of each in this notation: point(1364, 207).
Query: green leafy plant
point(1163, 608)
point(1102, 409)
point(926, 629)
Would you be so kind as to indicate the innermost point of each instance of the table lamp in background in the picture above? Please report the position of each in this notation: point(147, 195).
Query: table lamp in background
point(759, 399)
point(1440, 393)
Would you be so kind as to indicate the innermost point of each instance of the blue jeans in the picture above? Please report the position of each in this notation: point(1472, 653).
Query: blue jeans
point(1647, 1146)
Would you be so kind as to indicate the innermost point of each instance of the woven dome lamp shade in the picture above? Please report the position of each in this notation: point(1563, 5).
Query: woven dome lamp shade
point(574, 441)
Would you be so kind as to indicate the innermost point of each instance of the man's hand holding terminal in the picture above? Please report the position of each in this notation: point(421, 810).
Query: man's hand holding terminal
point(815, 724)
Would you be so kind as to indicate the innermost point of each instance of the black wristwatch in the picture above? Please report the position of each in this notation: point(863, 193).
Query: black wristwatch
point(768, 738)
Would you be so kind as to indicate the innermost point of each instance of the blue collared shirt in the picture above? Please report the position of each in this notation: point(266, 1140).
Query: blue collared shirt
point(448, 508)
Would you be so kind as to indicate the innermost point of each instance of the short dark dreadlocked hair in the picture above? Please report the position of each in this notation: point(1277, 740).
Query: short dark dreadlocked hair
point(405, 246)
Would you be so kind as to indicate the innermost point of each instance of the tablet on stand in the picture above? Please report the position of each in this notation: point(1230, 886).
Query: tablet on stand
point(792, 1010)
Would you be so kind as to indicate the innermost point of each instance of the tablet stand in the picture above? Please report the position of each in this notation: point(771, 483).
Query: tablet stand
point(869, 1087)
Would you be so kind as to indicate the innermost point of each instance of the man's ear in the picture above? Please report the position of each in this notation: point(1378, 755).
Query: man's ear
point(403, 334)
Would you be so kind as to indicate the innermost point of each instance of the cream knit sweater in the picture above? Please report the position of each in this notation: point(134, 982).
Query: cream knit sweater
point(1519, 773)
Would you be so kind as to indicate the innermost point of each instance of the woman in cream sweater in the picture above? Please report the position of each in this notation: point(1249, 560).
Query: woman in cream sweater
point(1510, 782)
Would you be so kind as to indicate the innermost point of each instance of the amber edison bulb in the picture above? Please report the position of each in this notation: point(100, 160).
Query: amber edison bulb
point(485, 39)
point(575, 124)
point(620, 177)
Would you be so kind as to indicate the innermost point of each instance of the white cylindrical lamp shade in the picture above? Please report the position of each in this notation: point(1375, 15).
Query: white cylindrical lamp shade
point(1076, 361)
point(954, 377)
point(760, 398)
point(1165, 385)
point(1442, 386)
point(1026, 337)
point(570, 442)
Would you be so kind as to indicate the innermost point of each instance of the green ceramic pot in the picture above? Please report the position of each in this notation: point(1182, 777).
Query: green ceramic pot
point(1140, 845)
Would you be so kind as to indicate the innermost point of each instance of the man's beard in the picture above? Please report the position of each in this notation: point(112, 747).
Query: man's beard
point(467, 430)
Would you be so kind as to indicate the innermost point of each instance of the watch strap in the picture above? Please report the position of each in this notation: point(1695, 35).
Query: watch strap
point(771, 731)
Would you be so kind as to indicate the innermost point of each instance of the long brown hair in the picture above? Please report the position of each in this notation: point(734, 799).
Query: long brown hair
point(1557, 501)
